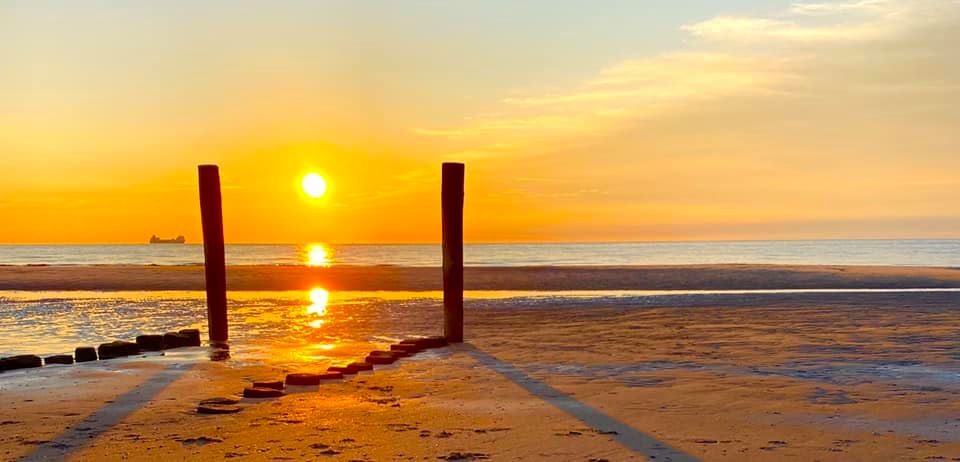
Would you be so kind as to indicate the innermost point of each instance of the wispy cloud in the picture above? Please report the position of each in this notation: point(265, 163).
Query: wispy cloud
point(832, 8)
point(824, 109)
point(748, 29)
point(648, 87)
point(635, 88)
point(817, 22)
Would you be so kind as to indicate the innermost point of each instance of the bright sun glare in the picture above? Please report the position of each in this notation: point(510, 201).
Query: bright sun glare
point(317, 255)
point(314, 185)
point(318, 299)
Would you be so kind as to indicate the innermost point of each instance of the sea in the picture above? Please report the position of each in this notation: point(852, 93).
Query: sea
point(318, 324)
point(945, 252)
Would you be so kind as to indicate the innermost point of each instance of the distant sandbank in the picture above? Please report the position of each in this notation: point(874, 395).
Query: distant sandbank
point(670, 277)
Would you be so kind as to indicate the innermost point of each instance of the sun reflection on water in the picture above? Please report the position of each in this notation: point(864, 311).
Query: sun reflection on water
point(317, 255)
point(318, 299)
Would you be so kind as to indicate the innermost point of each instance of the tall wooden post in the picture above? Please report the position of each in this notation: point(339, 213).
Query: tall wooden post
point(452, 205)
point(214, 262)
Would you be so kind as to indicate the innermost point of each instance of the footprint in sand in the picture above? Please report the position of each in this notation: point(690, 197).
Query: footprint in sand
point(200, 441)
point(464, 456)
point(326, 450)
point(774, 444)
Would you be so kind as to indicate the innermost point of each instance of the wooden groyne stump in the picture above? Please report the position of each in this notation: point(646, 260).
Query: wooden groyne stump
point(150, 342)
point(309, 379)
point(117, 349)
point(193, 336)
point(407, 347)
point(222, 400)
point(254, 392)
point(303, 379)
point(219, 405)
point(426, 342)
point(351, 368)
point(58, 359)
point(360, 366)
point(331, 375)
point(176, 340)
point(276, 384)
point(214, 409)
point(380, 357)
point(85, 354)
point(20, 362)
point(395, 354)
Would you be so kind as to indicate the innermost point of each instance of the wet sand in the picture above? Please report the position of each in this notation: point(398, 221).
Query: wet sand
point(679, 277)
point(832, 377)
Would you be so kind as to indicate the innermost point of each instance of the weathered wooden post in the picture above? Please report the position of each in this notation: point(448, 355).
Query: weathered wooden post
point(452, 205)
point(214, 262)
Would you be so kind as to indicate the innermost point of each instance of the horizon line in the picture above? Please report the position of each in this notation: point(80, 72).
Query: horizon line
point(571, 242)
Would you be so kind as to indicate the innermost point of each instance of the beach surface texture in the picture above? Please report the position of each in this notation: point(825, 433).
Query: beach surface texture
point(815, 375)
point(298, 277)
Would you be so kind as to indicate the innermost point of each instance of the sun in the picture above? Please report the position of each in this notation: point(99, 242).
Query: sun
point(314, 185)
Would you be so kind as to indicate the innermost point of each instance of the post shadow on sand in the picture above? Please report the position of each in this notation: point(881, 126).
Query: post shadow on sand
point(621, 432)
point(105, 418)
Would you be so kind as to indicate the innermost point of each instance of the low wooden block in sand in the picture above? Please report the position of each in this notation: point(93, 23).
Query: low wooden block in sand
point(58, 359)
point(427, 342)
point(193, 335)
point(254, 392)
point(392, 354)
point(303, 379)
point(217, 409)
point(380, 359)
point(331, 375)
point(276, 385)
point(182, 338)
point(219, 405)
point(307, 379)
point(117, 349)
point(150, 342)
point(222, 400)
point(176, 340)
point(20, 362)
point(351, 368)
point(360, 366)
point(407, 347)
point(85, 354)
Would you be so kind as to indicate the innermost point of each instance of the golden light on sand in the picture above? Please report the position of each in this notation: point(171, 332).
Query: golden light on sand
point(314, 185)
point(318, 306)
point(317, 255)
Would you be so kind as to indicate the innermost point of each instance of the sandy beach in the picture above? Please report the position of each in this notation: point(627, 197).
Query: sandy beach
point(799, 376)
point(460, 231)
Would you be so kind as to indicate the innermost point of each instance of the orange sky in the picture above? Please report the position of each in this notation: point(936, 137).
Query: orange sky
point(705, 120)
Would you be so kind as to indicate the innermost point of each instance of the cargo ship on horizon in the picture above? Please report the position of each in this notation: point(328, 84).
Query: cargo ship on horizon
point(156, 240)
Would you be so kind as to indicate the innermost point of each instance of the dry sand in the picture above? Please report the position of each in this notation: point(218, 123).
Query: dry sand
point(832, 377)
point(680, 277)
